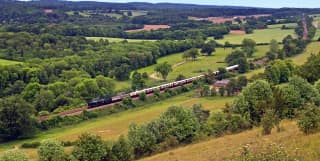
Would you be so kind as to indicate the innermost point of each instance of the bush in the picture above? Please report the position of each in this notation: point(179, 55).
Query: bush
point(30, 145)
point(309, 120)
point(14, 155)
point(68, 143)
point(51, 150)
point(142, 96)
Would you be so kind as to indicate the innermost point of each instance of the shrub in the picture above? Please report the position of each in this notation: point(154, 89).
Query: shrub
point(142, 96)
point(14, 155)
point(89, 147)
point(268, 122)
point(50, 150)
point(30, 145)
point(309, 120)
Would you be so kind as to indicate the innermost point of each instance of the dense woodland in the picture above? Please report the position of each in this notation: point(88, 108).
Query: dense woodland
point(60, 69)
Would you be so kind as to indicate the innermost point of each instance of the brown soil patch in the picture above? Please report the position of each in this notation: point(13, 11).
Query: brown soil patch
point(48, 11)
point(315, 24)
point(150, 27)
point(237, 32)
point(219, 20)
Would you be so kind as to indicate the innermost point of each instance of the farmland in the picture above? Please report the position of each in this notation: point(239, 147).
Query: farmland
point(260, 36)
point(115, 40)
point(150, 27)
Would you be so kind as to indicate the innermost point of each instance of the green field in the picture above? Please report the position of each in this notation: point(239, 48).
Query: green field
point(312, 48)
point(110, 127)
point(317, 19)
point(260, 36)
point(8, 62)
point(110, 39)
point(202, 64)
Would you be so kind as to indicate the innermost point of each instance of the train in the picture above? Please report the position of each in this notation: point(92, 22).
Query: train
point(118, 98)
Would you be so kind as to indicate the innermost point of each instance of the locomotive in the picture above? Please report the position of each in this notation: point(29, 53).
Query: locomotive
point(118, 98)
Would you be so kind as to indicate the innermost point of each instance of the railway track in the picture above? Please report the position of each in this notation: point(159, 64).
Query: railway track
point(134, 95)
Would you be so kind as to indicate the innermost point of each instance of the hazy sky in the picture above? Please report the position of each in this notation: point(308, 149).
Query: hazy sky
point(253, 3)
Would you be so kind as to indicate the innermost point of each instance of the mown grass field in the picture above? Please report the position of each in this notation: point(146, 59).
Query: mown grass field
point(230, 146)
point(110, 127)
point(111, 39)
point(260, 36)
point(201, 65)
point(8, 62)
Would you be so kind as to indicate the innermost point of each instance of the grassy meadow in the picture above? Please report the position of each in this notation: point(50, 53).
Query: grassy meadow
point(260, 36)
point(110, 127)
point(191, 68)
point(8, 62)
point(230, 146)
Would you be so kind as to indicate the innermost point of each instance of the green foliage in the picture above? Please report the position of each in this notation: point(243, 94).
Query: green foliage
point(137, 81)
point(310, 70)
point(222, 91)
point(16, 118)
point(279, 72)
point(308, 92)
point(142, 96)
point(89, 148)
point(14, 155)
point(45, 100)
point(248, 46)
point(122, 151)
point(309, 121)
point(164, 69)
point(51, 150)
point(268, 122)
point(180, 123)
point(31, 145)
point(257, 95)
point(221, 123)
point(208, 48)
point(238, 57)
point(192, 53)
point(143, 140)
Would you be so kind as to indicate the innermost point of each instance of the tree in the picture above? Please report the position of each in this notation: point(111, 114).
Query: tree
point(307, 91)
point(144, 142)
point(259, 96)
point(89, 148)
point(192, 53)
point(268, 122)
point(311, 69)
point(14, 155)
point(248, 46)
point(106, 85)
point(50, 150)
point(122, 72)
point(222, 90)
point(180, 123)
point(137, 81)
point(122, 151)
point(208, 48)
point(164, 69)
point(16, 118)
point(309, 121)
point(45, 101)
point(180, 77)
